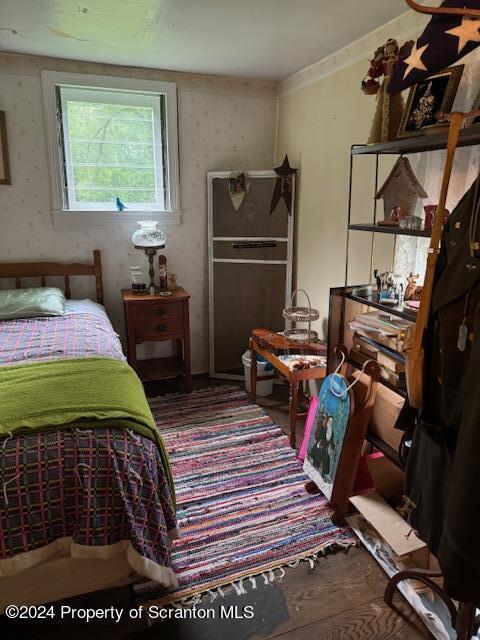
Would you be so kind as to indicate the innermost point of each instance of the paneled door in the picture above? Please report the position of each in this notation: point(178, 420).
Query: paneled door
point(250, 267)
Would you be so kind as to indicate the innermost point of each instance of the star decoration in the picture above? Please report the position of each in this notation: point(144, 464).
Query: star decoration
point(283, 186)
point(468, 31)
point(285, 169)
point(414, 60)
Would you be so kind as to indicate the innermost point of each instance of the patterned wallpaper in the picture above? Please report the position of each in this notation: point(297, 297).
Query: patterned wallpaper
point(224, 124)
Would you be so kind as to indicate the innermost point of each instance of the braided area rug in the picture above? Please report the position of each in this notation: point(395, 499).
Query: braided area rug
point(242, 507)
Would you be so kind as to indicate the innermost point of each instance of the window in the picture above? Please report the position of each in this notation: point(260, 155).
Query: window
point(113, 142)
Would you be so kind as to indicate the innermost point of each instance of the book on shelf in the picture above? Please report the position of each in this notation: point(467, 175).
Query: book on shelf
point(392, 342)
point(386, 323)
point(385, 356)
point(397, 380)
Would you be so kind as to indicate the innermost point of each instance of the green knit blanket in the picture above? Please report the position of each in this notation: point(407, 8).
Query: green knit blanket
point(81, 392)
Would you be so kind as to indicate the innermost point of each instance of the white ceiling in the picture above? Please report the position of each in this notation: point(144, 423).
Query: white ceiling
point(268, 39)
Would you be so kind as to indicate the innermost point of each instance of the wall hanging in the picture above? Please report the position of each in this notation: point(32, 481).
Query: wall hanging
point(283, 186)
point(237, 187)
point(446, 39)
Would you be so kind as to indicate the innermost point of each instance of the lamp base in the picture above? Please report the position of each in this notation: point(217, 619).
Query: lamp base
point(150, 252)
point(152, 289)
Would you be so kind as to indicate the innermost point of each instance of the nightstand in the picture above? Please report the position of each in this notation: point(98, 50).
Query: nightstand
point(157, 319)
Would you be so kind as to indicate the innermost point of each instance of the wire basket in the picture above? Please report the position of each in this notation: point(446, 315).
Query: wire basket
point(301, 314)
point(301, 335)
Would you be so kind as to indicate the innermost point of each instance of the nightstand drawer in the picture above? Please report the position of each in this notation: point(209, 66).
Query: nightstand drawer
point(151, 326)
point(158, 311)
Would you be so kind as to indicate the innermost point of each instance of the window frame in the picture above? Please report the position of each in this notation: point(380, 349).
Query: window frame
point(51, 80)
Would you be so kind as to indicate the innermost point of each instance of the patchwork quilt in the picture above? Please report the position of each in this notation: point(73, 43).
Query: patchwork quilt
point(87, 492)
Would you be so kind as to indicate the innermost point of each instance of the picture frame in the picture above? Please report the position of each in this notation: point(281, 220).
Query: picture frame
point(5, 175)
point(427, 99)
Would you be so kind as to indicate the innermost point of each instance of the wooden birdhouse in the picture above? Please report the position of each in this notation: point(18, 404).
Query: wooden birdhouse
point(400, 192)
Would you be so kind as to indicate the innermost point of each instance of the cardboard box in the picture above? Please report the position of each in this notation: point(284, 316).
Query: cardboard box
point(386, 410)
point(388, 479)
point(393, 529)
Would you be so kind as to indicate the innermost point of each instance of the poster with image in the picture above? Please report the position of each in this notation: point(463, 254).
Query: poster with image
point(328, 433)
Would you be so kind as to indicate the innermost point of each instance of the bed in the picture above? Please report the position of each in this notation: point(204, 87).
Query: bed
point(84, 505)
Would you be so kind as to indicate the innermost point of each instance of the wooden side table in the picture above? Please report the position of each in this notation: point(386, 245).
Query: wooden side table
point(270, 345)
point(155, 318)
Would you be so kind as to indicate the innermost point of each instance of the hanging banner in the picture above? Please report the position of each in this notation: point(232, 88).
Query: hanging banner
point(445, 40)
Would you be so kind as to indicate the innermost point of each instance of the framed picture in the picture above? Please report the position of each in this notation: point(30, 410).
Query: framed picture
point(428, 99)
point(5, 177)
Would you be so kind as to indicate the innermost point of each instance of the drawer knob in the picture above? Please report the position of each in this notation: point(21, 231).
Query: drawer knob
point(160, 327)
point(160, 311)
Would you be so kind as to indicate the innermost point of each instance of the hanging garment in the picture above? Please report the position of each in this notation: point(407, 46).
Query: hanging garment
point(443, 469)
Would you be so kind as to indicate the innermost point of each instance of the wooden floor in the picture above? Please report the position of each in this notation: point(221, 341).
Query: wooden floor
point(341, 599)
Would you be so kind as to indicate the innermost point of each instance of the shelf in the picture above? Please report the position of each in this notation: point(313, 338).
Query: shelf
point(429, 142)
point(372, 301)
point(401, 392)
point(374, 439)
point(159, 368)
point(396, 231)
point(384, 448)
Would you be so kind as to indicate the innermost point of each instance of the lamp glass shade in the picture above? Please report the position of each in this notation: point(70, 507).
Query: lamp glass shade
point(148, 236)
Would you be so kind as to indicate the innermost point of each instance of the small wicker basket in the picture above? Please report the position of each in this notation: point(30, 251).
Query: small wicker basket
point(301, 314)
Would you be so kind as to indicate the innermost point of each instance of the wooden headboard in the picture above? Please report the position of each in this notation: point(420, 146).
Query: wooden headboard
point(42, 270)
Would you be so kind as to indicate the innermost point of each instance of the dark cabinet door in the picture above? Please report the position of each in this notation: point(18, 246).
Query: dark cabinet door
point(250, 267)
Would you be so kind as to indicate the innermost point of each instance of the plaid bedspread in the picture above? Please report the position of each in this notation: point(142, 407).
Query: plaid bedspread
point(96, 487)
point(90, 488)
point(81, 335)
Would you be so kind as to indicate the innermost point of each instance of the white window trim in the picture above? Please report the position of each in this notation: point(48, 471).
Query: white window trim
point(52, 79)
point(91, 218)
point(132, 99)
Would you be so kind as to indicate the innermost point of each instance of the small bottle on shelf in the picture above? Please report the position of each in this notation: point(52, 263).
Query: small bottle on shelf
point(162, 272)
